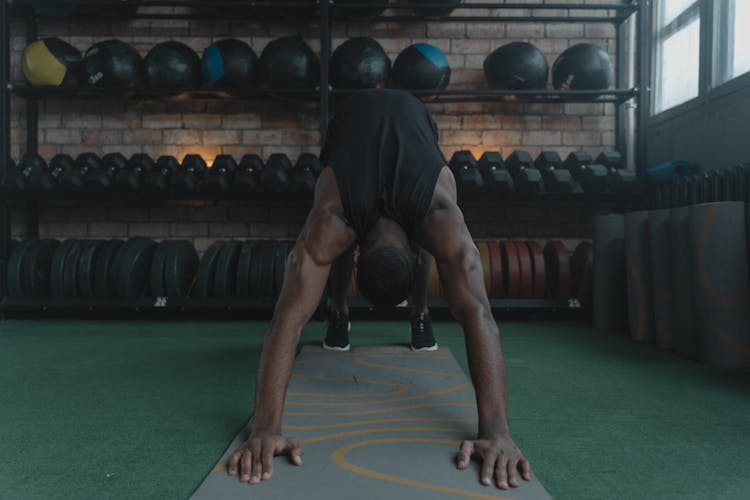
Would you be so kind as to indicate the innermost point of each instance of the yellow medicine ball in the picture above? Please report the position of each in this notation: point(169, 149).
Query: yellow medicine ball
point(52, 61)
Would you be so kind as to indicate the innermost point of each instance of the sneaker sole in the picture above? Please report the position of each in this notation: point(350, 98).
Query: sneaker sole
point(337, 348)
point(432, 348)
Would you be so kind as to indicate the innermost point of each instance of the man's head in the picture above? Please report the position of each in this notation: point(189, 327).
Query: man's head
point(387, 266)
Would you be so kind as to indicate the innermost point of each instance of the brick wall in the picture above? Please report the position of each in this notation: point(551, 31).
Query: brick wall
point(213, 127)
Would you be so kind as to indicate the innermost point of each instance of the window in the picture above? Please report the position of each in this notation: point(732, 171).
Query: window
point(731, 39)
point(677, 68)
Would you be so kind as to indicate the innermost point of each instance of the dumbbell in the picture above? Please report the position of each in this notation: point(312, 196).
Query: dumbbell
point(130, 179)
point(497, 179)
point(36, 174)
point(102, 180)
point(557, 179)
point(592, 177)
point(17, 174)
point(216, 180)
point(186, 179)
point(465, 170)
point(526, 177)
point(305, 173)
point(621, 180)
point(74, 180)
point(247, 177)
point(275, 177)
point(157, 179)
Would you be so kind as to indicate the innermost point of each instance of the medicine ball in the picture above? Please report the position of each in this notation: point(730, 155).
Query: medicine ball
point(517, 66)
point(113, 64)
point(229, 63)
point(583, 67)
point(377, 8)
point(433, 11)
point(359, 63)
point(52, 62)
point(421, 66)
point(172, 64)
point(288, 62)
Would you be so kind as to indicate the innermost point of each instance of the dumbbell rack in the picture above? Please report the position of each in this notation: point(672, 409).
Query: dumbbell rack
point(615, 14)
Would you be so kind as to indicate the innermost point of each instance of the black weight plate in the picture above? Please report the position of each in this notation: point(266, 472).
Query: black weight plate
point(103, 265)
point(204, 277)
point(225, 275)
point(261, 270)
point(156, 272)
point(180, 268)
point(87, 267)
point(279, 266)
point(133, 264)
point(15, 268)
point(243, 269)
point(36, 268)
point(70, 269)
point(57, 268)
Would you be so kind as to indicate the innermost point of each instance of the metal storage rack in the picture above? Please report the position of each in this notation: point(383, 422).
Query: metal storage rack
point(621, 96)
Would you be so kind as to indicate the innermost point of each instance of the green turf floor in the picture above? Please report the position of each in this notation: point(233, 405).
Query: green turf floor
point(96, 410)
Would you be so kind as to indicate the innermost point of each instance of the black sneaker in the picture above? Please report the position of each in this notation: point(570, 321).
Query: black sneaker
point(337, 334)
point(421, 334)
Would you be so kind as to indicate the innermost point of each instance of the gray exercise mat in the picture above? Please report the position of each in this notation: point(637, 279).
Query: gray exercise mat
point(374, 423)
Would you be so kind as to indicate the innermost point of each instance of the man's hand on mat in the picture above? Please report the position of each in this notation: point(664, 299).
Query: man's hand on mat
point(254, 460)
point(500, 458)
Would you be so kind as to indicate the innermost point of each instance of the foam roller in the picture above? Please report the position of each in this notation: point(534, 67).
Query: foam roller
point(638, 271)
point(684, 320)
point(609, 273)
point(661, 273)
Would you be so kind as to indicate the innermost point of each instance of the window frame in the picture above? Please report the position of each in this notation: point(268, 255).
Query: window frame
point(709, 66)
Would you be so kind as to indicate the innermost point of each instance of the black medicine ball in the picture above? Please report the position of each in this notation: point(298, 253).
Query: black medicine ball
point(517, 66)
point(229, 63)
point(113, 64)
point(288, 62)
point(360, 12)
point(431, 11)
point(359, 63)
point(583, 67)
point(172, 64)
point(421, 67)
point(51, 61)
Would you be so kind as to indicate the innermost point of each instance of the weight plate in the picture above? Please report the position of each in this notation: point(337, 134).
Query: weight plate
point(243, 269)
point(279, 266)
point(103, 266)
point(70, 269)
point(557, 265)
point(512, 267)
point(156, 281)
point(225, 275)
point(180, 268)
point(36, 268)
point(497, 284)
point(537, 264)
point(484, 256)
point(204, 277)
point(527, 270)
point(86, 267)
point(261, 270)
point(133, 264)
point(580, 268)
point(57, 268)
point(15, 268)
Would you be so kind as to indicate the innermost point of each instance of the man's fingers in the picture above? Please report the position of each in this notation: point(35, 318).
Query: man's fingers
point(295, 451)
point(234, 460)
point(501, 474)
point(464, 454)
point(267, 458)
point(488, 466)
point(525, 467)
point(257, 451)
point(246, 466)
point(512, 474)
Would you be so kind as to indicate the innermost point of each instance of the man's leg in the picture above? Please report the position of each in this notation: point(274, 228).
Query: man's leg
point(422, 338)
point(337, 334)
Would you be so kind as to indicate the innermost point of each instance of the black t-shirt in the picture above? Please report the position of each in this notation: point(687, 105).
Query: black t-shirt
point(383, 148)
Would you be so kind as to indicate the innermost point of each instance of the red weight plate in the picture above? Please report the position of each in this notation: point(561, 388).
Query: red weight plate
point(496, 269)
point(512, 267)
point(537, 262)
point(527, 269)
point(557, 265)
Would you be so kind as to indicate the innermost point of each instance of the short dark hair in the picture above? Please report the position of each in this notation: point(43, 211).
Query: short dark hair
point(386, 275)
